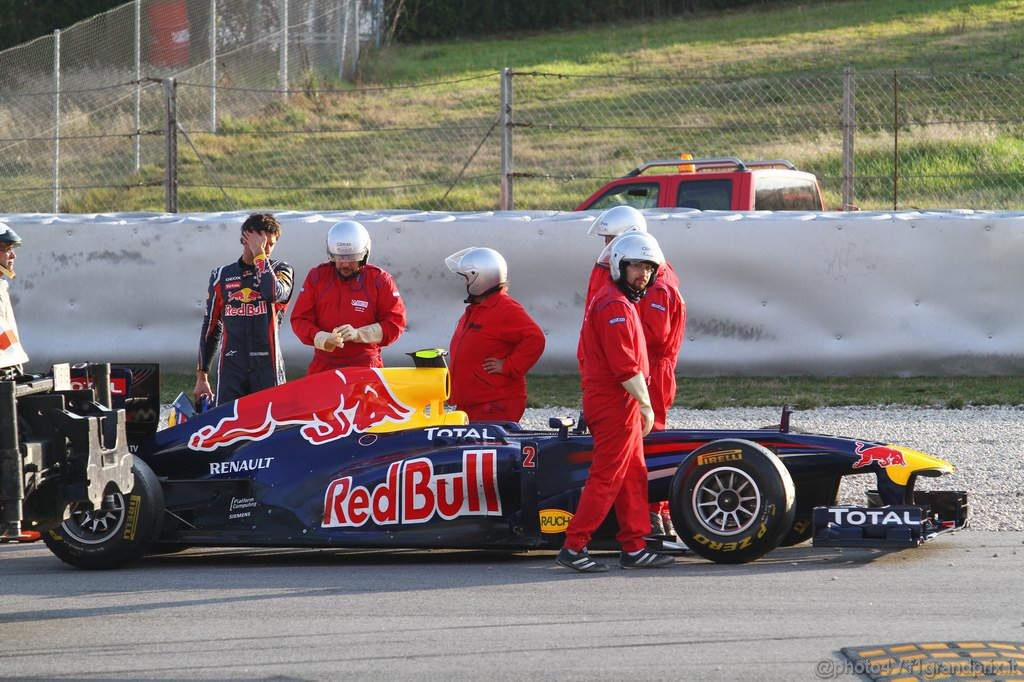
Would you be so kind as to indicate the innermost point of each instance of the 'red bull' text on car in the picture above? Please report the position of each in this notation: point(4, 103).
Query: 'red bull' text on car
point(370, 458)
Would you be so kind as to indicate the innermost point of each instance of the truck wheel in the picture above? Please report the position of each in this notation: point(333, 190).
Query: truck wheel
point(732, 501)
point(101, 539)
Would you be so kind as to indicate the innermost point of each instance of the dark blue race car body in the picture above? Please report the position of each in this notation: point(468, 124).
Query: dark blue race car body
point(367, 458)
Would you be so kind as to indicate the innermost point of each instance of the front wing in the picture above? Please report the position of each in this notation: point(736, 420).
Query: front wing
point(896, 526)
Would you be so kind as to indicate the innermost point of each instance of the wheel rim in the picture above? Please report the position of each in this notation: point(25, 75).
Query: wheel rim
point(95, 526)
point(726, 501)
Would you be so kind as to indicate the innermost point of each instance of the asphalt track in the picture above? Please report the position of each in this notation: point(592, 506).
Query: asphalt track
point(331, 614)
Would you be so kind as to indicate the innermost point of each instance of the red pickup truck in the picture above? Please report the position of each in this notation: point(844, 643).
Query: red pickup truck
point(716, 184)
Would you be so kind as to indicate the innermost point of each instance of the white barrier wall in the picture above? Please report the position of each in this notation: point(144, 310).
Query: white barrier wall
point(822, 294)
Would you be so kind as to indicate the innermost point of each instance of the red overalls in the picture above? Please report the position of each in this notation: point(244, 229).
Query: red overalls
point(496, 327)
point(663, 316)
point(327, 301)
point(662, 313)
point(612, 350)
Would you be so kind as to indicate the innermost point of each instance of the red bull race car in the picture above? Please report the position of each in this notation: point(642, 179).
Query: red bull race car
point(371, 458)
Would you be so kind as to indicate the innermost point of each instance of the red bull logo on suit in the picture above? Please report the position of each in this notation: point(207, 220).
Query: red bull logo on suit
point(245, 302)
point(329, 406)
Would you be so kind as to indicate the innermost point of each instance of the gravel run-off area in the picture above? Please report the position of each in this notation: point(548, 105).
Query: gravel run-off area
point(985, 444)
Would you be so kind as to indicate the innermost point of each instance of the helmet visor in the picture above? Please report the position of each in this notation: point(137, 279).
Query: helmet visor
point(346, 257)
point(454, 261)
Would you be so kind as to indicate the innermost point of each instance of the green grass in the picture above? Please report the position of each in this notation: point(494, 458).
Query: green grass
point(708, 393)
point(777, 38)
point(337, 146)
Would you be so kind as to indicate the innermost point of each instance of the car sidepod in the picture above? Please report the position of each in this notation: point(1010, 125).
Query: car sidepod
point(434, 487)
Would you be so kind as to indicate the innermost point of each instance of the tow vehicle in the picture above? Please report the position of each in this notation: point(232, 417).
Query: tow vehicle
point(712, 184)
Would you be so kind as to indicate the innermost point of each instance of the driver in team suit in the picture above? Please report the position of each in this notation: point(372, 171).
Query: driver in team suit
point(245, 303)
point(662, 313)
point(618, 410)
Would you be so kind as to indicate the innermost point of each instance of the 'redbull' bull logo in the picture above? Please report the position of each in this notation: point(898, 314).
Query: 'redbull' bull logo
point(244, 295)
point(329, 405)
point(882, 455)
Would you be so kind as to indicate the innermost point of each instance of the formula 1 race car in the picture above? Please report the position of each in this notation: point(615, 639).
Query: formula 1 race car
point(370, 458)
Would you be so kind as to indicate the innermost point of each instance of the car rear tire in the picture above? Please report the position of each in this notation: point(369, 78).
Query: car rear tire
point(732, 501)
point(102, 539)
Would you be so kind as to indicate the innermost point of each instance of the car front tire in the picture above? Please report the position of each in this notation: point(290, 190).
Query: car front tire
point(732, 501)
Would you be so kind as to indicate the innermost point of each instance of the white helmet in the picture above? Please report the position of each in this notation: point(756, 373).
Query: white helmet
point(348, 240)
point(9, 236)
point(618, 220)
point(483, 268)
point(633, 247)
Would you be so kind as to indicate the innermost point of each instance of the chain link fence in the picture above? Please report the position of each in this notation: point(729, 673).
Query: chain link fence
point(83, 113)
point(255, 118)
point(366, 148)
point(573, 134)
point(914, 141)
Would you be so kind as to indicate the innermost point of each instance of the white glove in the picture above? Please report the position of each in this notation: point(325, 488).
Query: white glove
point(346, 332)
point(637, 387)
point(328, 341)
point(371, 333)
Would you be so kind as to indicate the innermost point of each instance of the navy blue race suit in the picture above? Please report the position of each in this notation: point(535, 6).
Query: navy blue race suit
point(244, 308)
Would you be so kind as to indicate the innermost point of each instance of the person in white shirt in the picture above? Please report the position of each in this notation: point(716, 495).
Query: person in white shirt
point(12, 355)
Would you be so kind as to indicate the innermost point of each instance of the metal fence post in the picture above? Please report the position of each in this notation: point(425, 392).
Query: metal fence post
point(356, 23)
point(505, 122)
point(895, 141)
point(339, 39)
point(849, 124)
point(56, 121)
point(171, 134)
point(378, 20)
point(282, 65)
point(138, 85)
point(213, 66)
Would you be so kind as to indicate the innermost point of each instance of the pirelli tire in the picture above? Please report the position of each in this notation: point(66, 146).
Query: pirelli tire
point(732, 501)
point(104, 539)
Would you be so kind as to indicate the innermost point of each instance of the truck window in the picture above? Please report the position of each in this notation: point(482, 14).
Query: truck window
point(785, 194)
point(638, 196)
point(705, 195)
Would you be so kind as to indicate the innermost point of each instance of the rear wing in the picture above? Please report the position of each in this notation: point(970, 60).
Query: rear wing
point(133, 387)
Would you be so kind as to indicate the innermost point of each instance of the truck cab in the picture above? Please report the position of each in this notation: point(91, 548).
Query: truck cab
point(712, 184)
